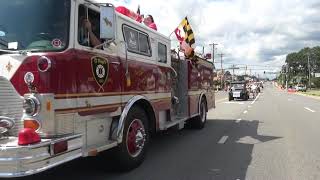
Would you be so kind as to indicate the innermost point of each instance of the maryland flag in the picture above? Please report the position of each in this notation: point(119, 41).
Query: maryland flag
point(185, 35)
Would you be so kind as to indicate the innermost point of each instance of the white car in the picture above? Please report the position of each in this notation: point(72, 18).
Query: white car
point(302, 88)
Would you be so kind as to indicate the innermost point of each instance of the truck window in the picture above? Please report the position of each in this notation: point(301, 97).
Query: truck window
point(131, 38)
point(137, 41)
point(162, 53)
point(144, 43)
point(94, 19)
point(35, 25)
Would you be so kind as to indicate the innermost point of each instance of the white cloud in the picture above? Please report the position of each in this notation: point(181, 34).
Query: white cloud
point(247, 31)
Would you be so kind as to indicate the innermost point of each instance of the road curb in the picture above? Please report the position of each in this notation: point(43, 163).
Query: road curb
point(310, 96)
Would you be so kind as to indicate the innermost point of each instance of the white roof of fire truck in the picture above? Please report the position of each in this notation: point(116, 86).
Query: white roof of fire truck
point(129, 19)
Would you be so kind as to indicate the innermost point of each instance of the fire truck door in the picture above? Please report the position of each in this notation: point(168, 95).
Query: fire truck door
point(139, 76)
point(98, 79)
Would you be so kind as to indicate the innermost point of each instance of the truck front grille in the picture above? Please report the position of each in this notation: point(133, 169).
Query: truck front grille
point(11, 104)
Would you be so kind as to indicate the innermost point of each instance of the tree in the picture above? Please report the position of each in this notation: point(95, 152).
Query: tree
point(227, 73)
point(297, 63)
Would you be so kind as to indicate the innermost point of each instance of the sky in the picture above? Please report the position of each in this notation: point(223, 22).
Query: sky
point(251, 32)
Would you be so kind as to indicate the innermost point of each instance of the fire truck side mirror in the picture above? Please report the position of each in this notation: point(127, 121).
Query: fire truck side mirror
point(107, 22)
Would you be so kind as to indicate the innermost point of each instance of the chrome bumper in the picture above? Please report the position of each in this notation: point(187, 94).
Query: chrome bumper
point(17, 161)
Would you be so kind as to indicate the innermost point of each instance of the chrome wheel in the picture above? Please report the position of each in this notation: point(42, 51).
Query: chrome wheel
point(136, 137)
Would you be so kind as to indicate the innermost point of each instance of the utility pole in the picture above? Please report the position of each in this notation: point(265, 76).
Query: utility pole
point(287, 67)
point(245, 72)
point(309, 70)
point(222, 74)
point(213, 45)
point(233, 67)
point(203, 51)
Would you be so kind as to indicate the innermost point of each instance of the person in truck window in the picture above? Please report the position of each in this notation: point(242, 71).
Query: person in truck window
point(149, 21)
point(94, 40)
point(90, 25)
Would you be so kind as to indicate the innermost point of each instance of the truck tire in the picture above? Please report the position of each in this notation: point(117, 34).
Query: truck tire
point(200, 121)
point(131, 152)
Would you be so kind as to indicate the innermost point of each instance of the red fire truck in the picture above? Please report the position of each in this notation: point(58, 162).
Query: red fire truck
point(63, 97)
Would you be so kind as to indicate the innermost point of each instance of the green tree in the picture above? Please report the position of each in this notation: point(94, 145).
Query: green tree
point(297, 63)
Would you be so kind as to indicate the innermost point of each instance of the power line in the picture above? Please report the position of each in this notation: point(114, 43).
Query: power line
point(252, 65)
point(268, 69)
point(261, 69)
point(246, 68)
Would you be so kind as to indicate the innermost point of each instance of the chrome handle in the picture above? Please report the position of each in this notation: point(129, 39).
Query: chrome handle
point(6, 122)
point(115, 63)
point(126, 53)
point(174, 72)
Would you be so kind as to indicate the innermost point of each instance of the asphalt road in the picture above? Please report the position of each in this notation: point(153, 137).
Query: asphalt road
point(275, 136)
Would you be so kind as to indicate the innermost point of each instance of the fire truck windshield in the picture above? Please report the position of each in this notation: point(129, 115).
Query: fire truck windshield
point(34, 25)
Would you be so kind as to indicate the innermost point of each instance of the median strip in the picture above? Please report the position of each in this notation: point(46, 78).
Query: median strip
point(308, 95)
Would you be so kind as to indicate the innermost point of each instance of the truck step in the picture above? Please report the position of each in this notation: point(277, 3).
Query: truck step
point(177, 120)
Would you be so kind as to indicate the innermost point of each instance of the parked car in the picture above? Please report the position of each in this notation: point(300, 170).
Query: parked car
point(291, 89)
point(238, 90)
point(301, 87)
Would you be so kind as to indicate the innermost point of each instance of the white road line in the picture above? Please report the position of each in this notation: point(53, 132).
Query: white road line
point(220, 100)
point(238, 120)
point(241, 103)
point(223, 139)
point(309, 109)
point(245, 112)
point(255, 99)
point(249, 106)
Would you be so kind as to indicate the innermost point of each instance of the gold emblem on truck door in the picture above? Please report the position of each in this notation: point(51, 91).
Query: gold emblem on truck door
point(100, 70)
point(9, 66)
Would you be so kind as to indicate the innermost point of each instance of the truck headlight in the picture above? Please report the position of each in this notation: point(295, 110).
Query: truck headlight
point(31, 106)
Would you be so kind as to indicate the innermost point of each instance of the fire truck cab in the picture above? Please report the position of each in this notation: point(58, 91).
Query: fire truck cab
point(67, 92)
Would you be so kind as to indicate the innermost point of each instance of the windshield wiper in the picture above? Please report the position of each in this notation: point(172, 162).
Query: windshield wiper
point(8, 51)
point(26, 51)
point(23, 52)
point(3, 43)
